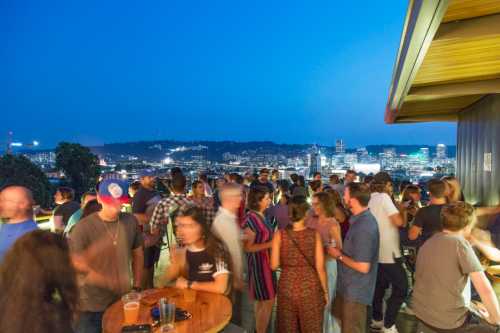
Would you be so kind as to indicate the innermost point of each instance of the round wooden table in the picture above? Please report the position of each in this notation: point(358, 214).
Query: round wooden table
point(210, 312)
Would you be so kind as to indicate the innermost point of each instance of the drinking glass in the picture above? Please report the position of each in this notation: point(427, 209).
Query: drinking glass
point(167, 313)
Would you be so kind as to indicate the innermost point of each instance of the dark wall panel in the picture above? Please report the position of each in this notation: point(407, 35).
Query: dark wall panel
point(479, 134)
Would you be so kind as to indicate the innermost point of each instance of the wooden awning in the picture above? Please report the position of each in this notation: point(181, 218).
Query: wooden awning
point(449, 58)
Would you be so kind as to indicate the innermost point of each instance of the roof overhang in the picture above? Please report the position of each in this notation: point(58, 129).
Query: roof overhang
point(449, 58)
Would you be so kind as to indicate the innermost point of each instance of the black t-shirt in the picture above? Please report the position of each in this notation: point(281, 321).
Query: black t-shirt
point(429, 219)
point(66, 210)
point(144, 201)
point(202, 267)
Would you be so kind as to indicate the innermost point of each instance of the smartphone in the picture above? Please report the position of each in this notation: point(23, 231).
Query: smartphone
point(143, 328)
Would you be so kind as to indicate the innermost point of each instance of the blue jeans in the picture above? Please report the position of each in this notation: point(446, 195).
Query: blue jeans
point(89, 322)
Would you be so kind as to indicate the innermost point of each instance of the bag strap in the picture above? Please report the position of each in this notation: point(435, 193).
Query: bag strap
point(300, 250)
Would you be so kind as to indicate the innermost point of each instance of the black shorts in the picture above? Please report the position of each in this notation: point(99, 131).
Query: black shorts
point(151, 256)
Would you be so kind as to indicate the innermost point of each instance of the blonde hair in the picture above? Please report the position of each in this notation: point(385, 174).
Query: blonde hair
point(454, 190)
point(457, 216)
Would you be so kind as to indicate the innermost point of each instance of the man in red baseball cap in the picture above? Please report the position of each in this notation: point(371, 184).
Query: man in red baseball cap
point(104, 246)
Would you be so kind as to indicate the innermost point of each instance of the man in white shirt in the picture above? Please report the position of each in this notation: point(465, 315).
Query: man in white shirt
point(227, 229)
point(391, 272)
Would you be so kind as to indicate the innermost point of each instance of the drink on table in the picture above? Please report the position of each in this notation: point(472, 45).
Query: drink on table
point(167, 314)
point(131, 305)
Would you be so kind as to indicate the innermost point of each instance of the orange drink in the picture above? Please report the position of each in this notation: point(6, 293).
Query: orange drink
point(131, 305)
point(131, 312)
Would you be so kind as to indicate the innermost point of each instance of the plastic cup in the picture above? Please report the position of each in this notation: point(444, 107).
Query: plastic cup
point(189, 295)
point(131, 306)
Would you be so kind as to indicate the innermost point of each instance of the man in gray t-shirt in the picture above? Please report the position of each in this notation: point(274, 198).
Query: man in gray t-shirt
point(444, 265)
point(106, 247)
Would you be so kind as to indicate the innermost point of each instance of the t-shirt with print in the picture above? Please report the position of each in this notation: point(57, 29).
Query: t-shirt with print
point(429, 219)
point(107, 247)
point(381, 206)
point(444, 263)
point(66, 210)
point(202, 267)
point(361, 244)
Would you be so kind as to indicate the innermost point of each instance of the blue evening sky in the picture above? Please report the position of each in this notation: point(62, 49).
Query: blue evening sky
point(287, 71)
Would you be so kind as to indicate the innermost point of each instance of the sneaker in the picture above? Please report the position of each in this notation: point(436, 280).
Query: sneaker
point(391, 329)
point(405, 308)
point(377, 325)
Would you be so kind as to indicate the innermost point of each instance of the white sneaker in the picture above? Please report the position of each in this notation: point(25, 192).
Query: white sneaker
point(405, 308)
point(377, 325)
point(391, 329)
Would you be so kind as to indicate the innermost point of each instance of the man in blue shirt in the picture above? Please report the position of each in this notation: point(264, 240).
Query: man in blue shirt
point(16, 209)
point(357, 270)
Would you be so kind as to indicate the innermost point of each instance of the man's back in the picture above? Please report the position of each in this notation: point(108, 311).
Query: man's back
point(443, 265)
point(226, 228)
point(361, 244)
point(429, 219)
point(382, 207)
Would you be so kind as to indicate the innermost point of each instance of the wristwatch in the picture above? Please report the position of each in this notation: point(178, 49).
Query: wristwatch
point(340, 257)
point(190, 283)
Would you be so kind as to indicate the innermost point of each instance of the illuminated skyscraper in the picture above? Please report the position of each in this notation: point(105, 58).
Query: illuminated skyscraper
point(314, 161)
point(441, 151)
point(339, 146)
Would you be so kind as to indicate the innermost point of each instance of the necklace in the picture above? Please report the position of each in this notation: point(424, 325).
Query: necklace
point(115, 237)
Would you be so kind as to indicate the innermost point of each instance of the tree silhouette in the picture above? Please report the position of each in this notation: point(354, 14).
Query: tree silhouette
point(19, 170)
point(79, 165)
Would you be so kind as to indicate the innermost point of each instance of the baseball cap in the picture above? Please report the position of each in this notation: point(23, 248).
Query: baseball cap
point(382, 178)
point(112, 190)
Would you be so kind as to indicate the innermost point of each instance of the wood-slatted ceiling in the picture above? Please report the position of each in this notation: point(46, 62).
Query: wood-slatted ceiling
point(460, 60)
point(456, 57)
point(464, 9)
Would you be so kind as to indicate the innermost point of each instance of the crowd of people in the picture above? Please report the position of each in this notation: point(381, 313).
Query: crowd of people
point(347, 255)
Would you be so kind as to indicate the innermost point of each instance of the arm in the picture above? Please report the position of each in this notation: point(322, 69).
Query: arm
point(142, 218)
point(487, 295)
point(362, 267)
point(336, 234)
point(250, 246)
point(57, 220)
point(137, 265)
point(481, 211)
point(219, 286)
point(275, 251)
point(319, 259)
point(481, 240)
point(397, 220)
point(174, 270)
point(395, 216)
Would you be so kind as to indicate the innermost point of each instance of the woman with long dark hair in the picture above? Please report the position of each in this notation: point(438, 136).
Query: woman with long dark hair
point(324, 222)
point(258, 232)
point(38, 284)
point(203, 263)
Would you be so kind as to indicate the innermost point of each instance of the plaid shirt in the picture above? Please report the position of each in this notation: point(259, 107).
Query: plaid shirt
point(164, 209)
